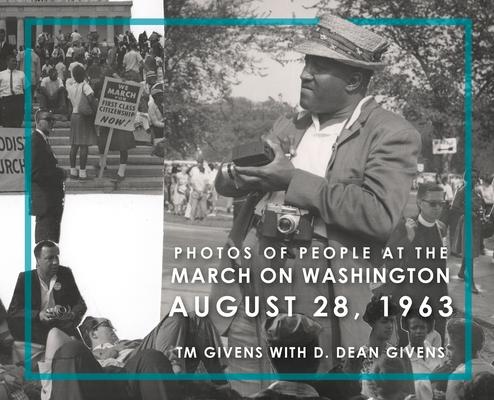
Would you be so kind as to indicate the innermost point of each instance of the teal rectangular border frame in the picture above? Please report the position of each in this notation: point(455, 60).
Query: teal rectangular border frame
point(466, 23)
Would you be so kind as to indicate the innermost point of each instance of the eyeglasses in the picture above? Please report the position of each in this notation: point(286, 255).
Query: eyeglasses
point(435, 203)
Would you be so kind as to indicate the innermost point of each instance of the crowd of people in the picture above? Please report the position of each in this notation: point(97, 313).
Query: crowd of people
point(189, 190)
point(64, 340)
point(67, 76)
point(453, 216)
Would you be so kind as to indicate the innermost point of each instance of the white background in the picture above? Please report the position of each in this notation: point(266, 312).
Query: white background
point(112, 242)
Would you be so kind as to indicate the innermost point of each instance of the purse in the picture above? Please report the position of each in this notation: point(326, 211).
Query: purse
point(85, 107)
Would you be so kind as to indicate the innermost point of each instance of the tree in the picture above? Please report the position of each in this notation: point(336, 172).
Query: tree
point(236, 121)
point(431, 84)
point(201, 63)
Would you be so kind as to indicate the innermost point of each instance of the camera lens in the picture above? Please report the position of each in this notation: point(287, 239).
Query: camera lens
point(287, 224)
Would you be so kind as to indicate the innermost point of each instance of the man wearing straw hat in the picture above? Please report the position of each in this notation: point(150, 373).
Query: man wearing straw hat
point(348, 163)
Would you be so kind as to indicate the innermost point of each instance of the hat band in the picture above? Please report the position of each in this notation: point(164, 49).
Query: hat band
point(335, 42)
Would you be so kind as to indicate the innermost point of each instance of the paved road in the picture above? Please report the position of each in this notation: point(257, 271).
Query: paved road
point(482, 304)
point(183, 235)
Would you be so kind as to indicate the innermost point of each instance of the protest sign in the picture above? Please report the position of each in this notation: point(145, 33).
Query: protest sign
point(12, 160)
point(117, 108)
point(118, 104)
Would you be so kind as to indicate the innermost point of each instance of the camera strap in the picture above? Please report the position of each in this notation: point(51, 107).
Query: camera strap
point(244, 220)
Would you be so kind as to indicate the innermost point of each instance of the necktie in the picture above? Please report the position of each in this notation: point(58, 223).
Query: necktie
point(11, 83)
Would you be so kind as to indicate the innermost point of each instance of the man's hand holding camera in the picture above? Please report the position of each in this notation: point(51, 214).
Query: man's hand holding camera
point(269, 178)
point(57, 313)
point(45, 315)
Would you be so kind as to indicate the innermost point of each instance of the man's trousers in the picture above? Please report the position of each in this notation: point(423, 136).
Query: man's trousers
point(48, 225)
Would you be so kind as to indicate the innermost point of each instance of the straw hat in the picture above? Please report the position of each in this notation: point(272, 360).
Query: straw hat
point(341, 40)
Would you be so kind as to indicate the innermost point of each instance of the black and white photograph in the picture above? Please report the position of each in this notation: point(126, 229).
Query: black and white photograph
point(95, 210)
point(266, 199)
point(333, 239)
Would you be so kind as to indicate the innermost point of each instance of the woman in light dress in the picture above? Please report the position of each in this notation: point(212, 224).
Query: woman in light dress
point(180, 191)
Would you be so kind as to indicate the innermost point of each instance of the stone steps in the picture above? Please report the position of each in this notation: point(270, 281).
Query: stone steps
point(138, 171)
point(139, 151)
point(65, 141)
point(144, 173)
point(112, 159)
point(151, 185)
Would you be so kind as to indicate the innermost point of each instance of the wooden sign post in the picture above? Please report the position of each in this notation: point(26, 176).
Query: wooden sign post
point(117, 109)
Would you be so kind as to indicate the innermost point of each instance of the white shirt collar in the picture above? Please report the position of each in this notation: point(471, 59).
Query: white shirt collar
point(357, 111)
point(317, 124)
point(351, 121)
point(51, 284)
point(42, 134)
point(46, 291)
point(425, 223)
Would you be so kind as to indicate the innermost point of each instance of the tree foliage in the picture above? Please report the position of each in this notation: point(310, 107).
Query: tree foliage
point(430, 85)
point(236, 121)
point(201, 65)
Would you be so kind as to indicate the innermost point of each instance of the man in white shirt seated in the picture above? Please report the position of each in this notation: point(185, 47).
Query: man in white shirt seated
point(12, 94)
point(52, 93)
point(55, 298)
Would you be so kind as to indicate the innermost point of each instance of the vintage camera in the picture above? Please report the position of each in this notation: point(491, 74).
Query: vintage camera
point(59, 311)
point(254, 154)
point(286, 223)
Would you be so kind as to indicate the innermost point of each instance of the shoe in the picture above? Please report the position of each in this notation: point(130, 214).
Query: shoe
point(475, 290)
point(118, 178)
point(73, 177)
point(461, 276)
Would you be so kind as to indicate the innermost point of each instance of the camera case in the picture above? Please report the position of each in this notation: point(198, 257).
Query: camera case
point(254, 154)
